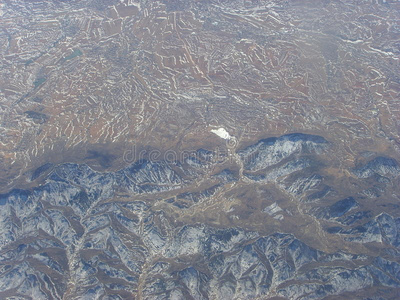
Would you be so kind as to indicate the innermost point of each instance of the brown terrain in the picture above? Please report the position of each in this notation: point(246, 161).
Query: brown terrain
point(105, 83)
point(78, 76)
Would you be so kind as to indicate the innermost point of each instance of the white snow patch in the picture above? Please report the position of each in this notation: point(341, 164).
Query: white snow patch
point(272, 209)
point(222, 133)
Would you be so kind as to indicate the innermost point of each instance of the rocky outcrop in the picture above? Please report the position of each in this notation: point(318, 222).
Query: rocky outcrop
point(383, 166)
point(85, 230)
point(271, 151)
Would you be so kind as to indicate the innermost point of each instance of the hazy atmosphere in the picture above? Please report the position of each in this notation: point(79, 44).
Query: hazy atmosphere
point(200, 149)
